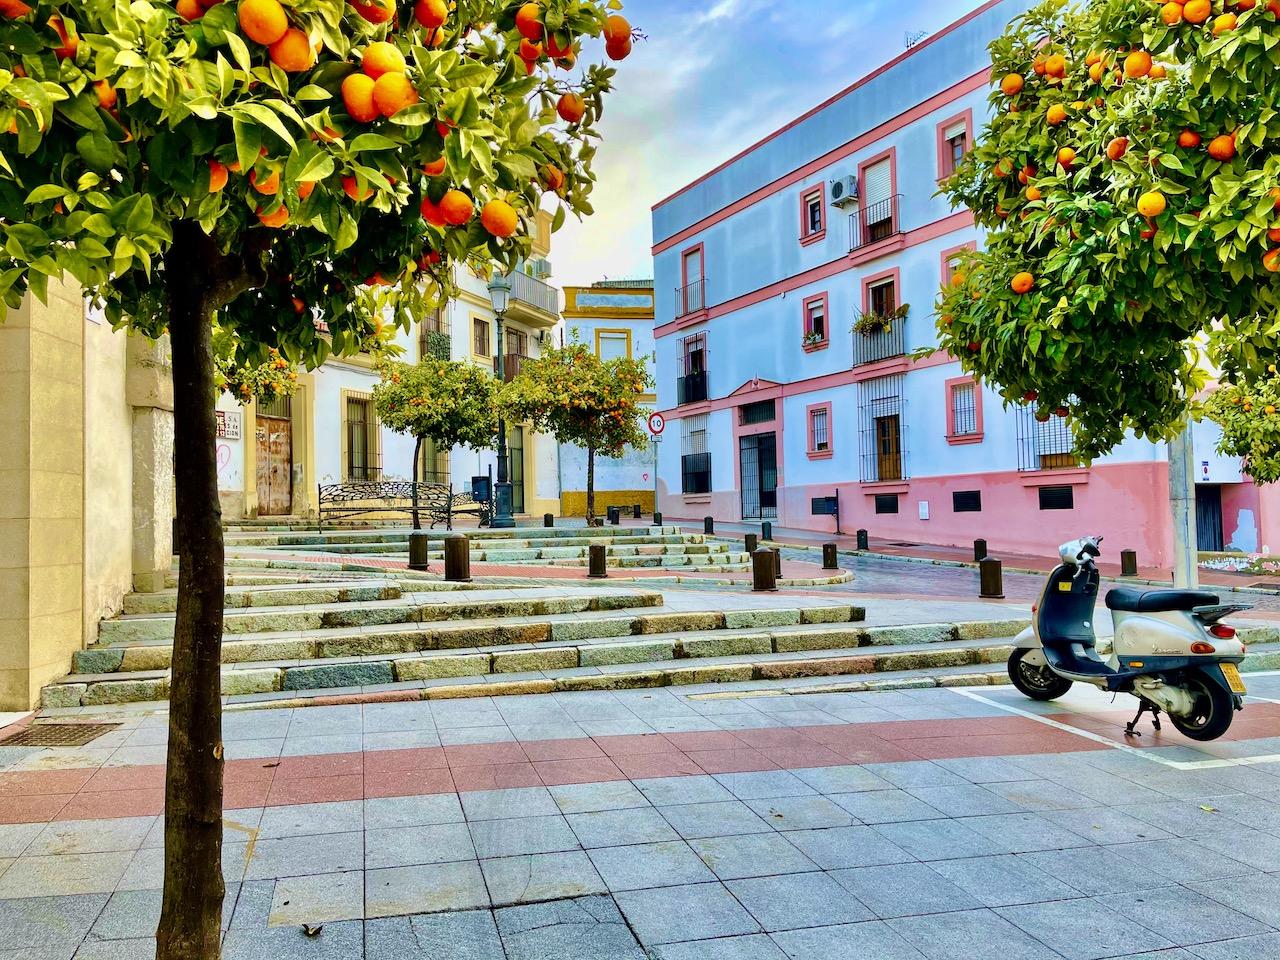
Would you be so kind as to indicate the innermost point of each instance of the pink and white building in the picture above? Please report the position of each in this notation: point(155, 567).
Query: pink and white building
point(794, 282)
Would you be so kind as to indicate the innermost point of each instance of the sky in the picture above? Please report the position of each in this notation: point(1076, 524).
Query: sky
point(713, 77)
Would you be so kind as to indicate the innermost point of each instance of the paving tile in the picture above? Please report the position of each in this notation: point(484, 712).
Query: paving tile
point(465, 935)
point(872, 940)
point(429, 888)
point(91, 836)
point(840, 847)
point(984, 769)
point(1256, 896)
point(510, 838)
point(594, 797)
point(750, 855)
point(942, 839)
point(311, 818)
point(404, 846)
point(337, 941)
point(649, 865)
point(615, 828)
point(842, 779)
point(16, 837)
point(146, 869)
point(1002, 881)
point(386, 812)
point(757, 947)
point(885, 806)
point(588, 928)
point(795, 900)
point(699, 911)
point(765, 784)
point(964, 800)
point(946, 936)
point(915, 773)
point(1181, 861)
point(505, 776)
point(304, 856)
point(507, 804)
point(141, 948)
point(541, 876)
point(1103, 825)
point(1094, 871)
point(46, 920)
point(904, 890)
point(1263, 947)
point(321, 898)
point(670, 791)
point(1083, 929)
point(1184, 916)
point(585, 770)
point(1024, 832)
point(133, 914)
point(724, 819)
point(64, 875)
point(801, 813)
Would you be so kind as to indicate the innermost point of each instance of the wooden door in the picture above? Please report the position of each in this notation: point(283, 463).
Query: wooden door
point(275, 467)
point(888, 448)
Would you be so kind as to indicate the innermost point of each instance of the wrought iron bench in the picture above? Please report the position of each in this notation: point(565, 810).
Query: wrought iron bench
point(436, 501)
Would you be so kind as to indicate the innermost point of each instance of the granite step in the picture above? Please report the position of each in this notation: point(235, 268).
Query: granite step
point(520, 535)
point(281, 594)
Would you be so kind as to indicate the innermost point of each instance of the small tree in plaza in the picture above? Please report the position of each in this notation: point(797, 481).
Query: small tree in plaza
point(452, 403)
point(274, 163)
point(1129, 181)
point(582, 400)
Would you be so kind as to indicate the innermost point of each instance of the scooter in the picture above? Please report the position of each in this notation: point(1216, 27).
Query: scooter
point(1170, 648)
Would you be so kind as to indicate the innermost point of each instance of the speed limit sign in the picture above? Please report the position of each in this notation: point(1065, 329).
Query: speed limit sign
point(657, 423)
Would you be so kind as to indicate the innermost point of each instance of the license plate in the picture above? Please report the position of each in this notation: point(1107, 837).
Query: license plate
point(1232, 673)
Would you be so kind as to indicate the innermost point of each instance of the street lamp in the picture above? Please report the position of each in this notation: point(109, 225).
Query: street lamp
point(500, 296)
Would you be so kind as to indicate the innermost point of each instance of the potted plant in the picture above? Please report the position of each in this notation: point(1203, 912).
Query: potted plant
point(870, 323)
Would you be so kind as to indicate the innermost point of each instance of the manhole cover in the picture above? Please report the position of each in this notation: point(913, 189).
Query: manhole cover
point(57, 734)
point(904, 544)
point(1264, 585)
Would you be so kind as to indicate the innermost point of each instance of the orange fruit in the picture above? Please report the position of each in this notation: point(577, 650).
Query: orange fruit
point(553, 177)
point(618, 51)
point(616, 29)
point(1224, 23)
point(107, 95)
point(499, 218)
point(432, 213)
point(293, 52)
point(1189, 139)
point(268, 185)
point(262, 21)
point(572, 108)
point(456, 207)
point(1158, 72)
point(1037, 66)
point(381, 57)
point(530, 51)
point(305, 188)
point(1002, 168)
point(352, 188)
point(189, 10)
point(431, 13)
point(554, 50)
point(1055, 114)
point(1245, 4)
point(13, 9)
point(357, 96)
point(444, 125)
point(1117, 148)
point(1022, 282)
point(298, 305)
point(1275, 195)
point(1033, 193)
point(392, 92)
point(1096, 71)
point(1274, 234)
point(1066, 157)
point(1222, 147)
point(435, 167)
point(1269, 409)
point(1171, 14)
point(1271, 260)
point(217, 175)
point(1151, 204)
point(1137, 64)
point(276, 218)
point(1196, 11)
point(529, 22)
point(1012, 84)
point(1025, 174)
point(375, 11)
point(70, 41)
point(1055, 66)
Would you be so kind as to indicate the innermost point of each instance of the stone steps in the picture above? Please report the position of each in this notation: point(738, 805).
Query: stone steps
point(517, 536)
point(272, 594)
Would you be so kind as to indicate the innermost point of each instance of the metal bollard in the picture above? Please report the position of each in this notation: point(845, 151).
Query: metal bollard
point(777, 562)
point(657, 519)
point(635, 511)
point(597, 565)
point(752, 543)
point(548, 519)
point(457, 558)
point(615, 515)
point(990, 579)
point(1128, 563)
point(979, 550)
point(708, 525)
point(829, 559)
point(418, 551)
point(764, 575)
point(766, 531)
point(864, 541)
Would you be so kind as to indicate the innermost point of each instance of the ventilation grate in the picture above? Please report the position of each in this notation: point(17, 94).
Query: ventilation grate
point(57, 734)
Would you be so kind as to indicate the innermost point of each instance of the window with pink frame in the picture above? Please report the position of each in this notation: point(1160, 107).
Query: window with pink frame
point(815, 321)
point(813, 214)
point(819, 431)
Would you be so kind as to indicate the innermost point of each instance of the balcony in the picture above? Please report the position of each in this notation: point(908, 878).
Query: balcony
point(533, 302)
point(875, 223)
point(878, 338)
point(691, 388)
point(512, 364)
point(691, 298)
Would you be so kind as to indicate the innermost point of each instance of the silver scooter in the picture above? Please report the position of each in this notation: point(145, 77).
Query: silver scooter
point(1170, 648)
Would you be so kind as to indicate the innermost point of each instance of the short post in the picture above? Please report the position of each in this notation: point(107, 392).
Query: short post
point(457, 558)
point(597, 566)
point(708, 525)
point(766, 531)
point(657, 519)
point(979, 550)
point(764, 577)
point(548, 519)
point(829, 560)
point(752, 542)
point(1128, 563)
point(990, 579)
point(777, 562)
point(864, 542)
point(635, 511)
point(418, 550)
point(615, 515)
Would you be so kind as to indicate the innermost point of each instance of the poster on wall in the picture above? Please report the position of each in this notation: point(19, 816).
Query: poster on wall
point(229, 424)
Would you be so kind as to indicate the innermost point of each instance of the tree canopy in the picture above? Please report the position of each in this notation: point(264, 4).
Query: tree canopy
point(450, 402)
point(1129, 184)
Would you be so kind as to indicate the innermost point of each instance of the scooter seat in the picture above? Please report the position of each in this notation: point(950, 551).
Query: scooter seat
point(1133, 600)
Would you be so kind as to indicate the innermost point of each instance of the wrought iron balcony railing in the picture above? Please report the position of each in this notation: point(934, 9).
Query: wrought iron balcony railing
point(692, 387)
point(691, 298)
point(878, 221)
point(874, 341)
point(512, 364)
point(535, 293)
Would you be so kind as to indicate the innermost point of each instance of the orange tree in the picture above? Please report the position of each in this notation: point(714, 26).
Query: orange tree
point(582, 400)
point(450, 402)
point(276, 163)
point(1129, 184)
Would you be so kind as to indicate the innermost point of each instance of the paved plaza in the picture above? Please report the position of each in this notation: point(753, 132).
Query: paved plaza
point(687, 823)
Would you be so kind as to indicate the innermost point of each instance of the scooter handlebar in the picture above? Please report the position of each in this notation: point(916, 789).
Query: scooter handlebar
point(1080, 552)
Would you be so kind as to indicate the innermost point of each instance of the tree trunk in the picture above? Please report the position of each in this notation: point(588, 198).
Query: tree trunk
point(417, 461)
point(591, 486)
point(199, 279)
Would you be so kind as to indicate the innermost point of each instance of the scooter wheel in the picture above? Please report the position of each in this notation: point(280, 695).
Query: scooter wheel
point(1036, 682)
point(1214, 710)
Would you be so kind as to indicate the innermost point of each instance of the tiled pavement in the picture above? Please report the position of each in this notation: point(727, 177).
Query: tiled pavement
point(677, 825)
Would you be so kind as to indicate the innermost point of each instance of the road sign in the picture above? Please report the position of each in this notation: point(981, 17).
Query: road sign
point(657, 423)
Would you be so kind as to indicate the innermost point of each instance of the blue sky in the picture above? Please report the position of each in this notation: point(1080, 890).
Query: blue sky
point(714, 77)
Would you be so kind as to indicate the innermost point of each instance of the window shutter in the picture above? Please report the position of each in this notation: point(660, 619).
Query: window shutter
point(877, 184)
point(957, 129)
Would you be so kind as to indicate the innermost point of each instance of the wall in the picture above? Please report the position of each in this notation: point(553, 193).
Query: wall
point(231, 456)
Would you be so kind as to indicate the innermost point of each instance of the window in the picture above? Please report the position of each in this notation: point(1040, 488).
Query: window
point(819, 436)
point(691, 295)
point(480, 337)
point(964, 409)
point(815, 319)
point(966, 501)
point(761, 411)
point(1044, 444)
point(613, 344)
point(434, 465)
point(691, 384)
point(882, 298)
point(695, 456)
point(878, 208)
point(361, 439)
point(813, 214)
point(886, 503)
point(883, 448)
point(1057, 498)
point(953, 144)
point(433, 336)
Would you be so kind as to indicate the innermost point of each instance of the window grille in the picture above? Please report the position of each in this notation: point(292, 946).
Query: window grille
point(964, 409)
point(762, 411)
point(691, 384)
point(278, 407)
point(361, 442)
point(886, 503)
point(818, 430)
point(480, 337)
point(1047, 445)
point(695, 459)
point(1057, 498)
point(883, 429)
point(966, 501)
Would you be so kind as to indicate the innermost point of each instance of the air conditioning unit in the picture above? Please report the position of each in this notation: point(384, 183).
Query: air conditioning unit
point(844, 191)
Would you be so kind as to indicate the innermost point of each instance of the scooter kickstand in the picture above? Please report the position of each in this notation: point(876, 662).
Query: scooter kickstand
point(1131, 728)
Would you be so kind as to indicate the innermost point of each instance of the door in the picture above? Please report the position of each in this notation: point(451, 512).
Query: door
point(275, 466)
point(888, 448)
point(1208, 518)
point(515, 466)
point(758, 463)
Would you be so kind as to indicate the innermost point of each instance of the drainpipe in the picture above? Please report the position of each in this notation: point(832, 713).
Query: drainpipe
point(1182, 496)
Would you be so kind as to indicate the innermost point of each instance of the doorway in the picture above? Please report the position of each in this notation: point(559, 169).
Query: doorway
point(888, 448)
point(758, 459)
point(1209, 518)
point(515, 465)
point(274, 435)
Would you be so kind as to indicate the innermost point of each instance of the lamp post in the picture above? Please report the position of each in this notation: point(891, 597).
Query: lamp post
point(499, 296)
